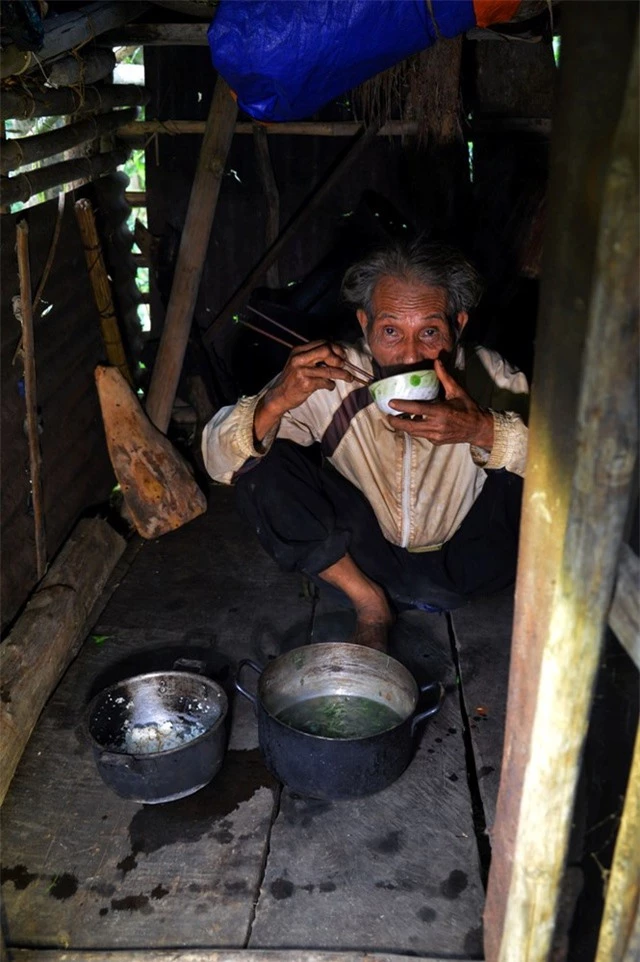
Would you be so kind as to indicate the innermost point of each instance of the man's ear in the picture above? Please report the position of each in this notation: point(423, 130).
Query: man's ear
point(363, 320)
point(461, 320)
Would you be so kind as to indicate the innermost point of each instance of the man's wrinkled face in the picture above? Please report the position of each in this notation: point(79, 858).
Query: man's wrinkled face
point(408, 324)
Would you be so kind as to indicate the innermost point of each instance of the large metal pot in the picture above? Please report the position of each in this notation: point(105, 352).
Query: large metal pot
point(160, 736)
point(328, 767)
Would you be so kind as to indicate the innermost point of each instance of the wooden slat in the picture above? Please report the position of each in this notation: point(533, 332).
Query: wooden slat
point(622, 904)
point(158, 35)
point(136, 198)
point(580, 467)
point(272, 197)
point(215, 955)
point(624, 617)
point(191, 255)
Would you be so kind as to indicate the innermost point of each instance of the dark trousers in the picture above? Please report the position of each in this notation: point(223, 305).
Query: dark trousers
point(307, 516)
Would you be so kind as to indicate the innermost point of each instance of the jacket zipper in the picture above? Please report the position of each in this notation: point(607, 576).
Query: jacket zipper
point(406, 493)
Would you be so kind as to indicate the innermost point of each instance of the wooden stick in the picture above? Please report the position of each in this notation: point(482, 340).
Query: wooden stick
point(49, 632)
point(69, 30)
point(31, 397)
point(24, 186)
point(272, 196)
point(191, 255)
point(579, 477)
point(312, 202)
point(624, 617)
point(101, 288)
point(31, 102)
point(324, 128)
point(21, 151)
point(622, 904)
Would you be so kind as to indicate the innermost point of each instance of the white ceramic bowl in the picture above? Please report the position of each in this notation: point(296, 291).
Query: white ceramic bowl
point(410, 386)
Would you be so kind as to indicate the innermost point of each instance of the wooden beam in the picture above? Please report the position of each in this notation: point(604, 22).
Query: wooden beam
point(272, 197)
point(101, 287)
point(191, 255)
point(68, 31)
point(136, 198)
point(20, 151)
point(583, 447)
point(49, 633)
point(158, 35)
point(313, 128)
point(209, 955)
point(619, 939)
point(624, 617)
point(24, 186)
point(27, 102)
point(31, 395)
point(312, 202)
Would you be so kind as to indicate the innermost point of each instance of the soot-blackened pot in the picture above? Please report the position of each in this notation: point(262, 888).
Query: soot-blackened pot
point(334, 768)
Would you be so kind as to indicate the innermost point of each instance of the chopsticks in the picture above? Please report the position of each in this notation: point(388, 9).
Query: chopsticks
point(359, 374)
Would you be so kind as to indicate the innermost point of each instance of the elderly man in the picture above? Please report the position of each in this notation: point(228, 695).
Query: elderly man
point(420, 510)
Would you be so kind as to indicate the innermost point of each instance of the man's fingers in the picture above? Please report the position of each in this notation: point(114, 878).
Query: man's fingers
point(451, 387)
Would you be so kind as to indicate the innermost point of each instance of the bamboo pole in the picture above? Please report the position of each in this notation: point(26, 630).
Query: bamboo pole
point(20, 151)
point(23, 186)
point(308, 128)
point(622, 902)
point(583, 447)
point(46, 102)
point(69, 30)
point(191, 255)
point(86, 69)
point(310, 204)
point(101, 288)
point(272, 197)
point(31, 396)
point(624, 617)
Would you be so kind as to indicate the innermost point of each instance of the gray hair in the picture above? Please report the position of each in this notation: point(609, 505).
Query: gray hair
point(437, 265)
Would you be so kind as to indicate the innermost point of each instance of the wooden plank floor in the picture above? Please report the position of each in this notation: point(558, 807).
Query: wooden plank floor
point(240, 864)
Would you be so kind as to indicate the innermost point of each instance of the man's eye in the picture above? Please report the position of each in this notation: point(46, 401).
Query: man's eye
point(430, 332)
point(390, 331)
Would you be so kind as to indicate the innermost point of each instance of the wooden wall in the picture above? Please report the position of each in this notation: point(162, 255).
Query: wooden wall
point(76, 471)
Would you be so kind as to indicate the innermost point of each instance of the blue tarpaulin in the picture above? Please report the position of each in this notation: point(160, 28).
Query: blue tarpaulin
point(284, 59)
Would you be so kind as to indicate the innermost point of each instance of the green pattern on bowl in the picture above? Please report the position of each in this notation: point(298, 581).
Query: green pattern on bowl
point(411, 386)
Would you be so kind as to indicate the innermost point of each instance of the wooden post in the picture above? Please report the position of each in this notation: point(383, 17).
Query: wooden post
point(69, 30)
point(620, 929)
point(48, 634)
point(312, 202)
point(101, 288)
point(24, 186)
point(30, 102)
point(583, 447)
point(21, 151)
point(191, 255)
point(270, 187)
point(31, 396)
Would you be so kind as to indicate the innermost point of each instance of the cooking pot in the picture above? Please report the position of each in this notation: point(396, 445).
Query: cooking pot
point(159, 736)
point(321, 765)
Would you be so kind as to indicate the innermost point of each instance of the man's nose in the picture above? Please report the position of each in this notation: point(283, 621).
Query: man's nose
point(412, 353)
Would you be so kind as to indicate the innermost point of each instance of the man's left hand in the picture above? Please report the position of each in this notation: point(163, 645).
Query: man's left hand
point(456, 420)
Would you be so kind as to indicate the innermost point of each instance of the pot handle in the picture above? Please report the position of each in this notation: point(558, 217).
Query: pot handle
point(432, 686)
point(247, 694)
point(128, 763)
point(189, 664)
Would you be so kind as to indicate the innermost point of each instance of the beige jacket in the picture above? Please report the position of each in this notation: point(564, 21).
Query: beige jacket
point(420, 492)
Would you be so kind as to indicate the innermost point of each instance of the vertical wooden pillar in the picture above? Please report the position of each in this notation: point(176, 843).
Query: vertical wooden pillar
point(193, 250)
point(582, 451)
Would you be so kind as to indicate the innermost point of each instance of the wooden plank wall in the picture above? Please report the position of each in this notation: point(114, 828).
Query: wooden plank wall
point(76, 469)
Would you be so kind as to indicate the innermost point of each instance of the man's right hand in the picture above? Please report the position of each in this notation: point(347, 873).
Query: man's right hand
point(310, 367)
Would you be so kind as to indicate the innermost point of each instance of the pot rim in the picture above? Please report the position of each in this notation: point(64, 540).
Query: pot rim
point(103, 749)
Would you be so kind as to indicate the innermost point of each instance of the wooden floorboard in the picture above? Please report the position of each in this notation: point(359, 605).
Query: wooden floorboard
point(483, 641)
point(84, 868)
point(397, 871)
point(209, 955)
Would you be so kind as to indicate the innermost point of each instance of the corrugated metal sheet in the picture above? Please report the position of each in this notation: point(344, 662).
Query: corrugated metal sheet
point(76, 470)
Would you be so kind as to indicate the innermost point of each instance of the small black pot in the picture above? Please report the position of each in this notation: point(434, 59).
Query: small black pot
point(334, 768)
point(180, 699)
